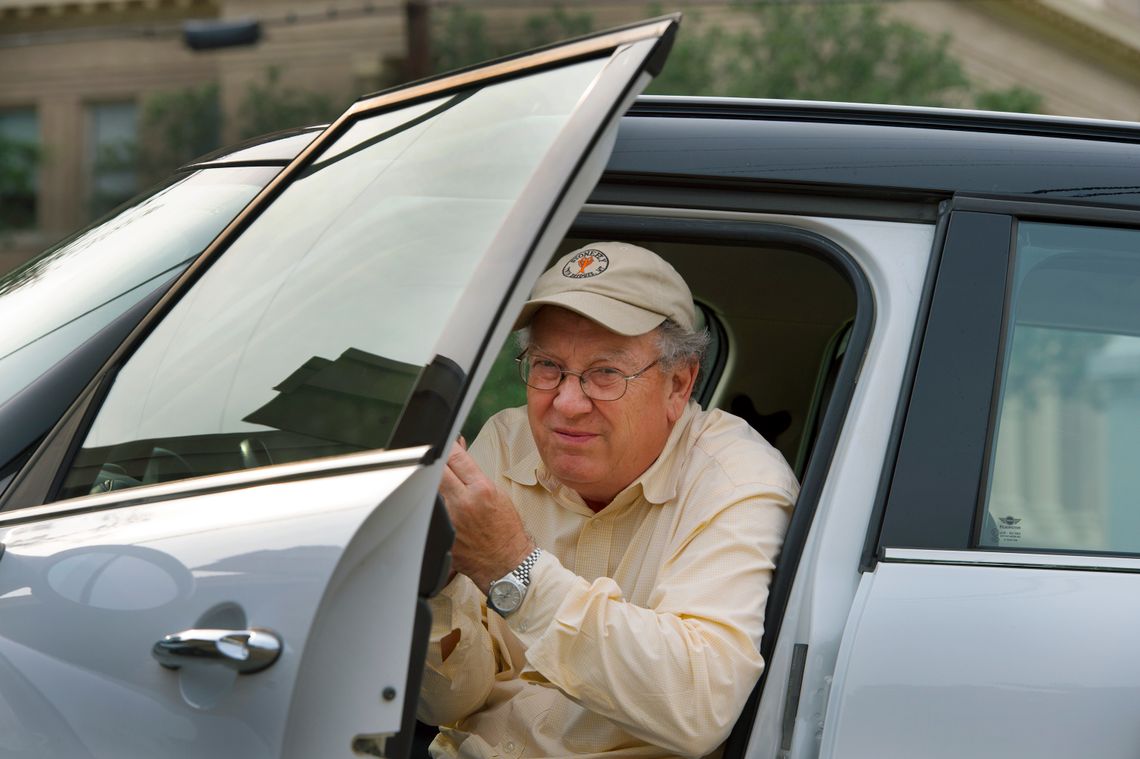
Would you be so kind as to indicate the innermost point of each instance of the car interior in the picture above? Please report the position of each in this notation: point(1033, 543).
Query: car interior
point(780, 321)
point(782, 315)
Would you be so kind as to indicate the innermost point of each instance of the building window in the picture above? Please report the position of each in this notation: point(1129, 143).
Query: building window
point(19, 160)
point(113, 155)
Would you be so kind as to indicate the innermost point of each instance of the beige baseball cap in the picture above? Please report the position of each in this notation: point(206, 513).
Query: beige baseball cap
point(625, 288)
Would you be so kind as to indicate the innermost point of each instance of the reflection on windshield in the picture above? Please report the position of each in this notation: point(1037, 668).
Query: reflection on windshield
point(355, 399)
point(317, 333)
point(55, 302)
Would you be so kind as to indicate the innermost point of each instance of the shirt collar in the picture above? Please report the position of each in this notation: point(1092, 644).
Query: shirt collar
point(525, 471)
point(658, 483)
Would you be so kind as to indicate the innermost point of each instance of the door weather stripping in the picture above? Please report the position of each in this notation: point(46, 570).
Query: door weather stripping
point(792, 697)
point(983, 558)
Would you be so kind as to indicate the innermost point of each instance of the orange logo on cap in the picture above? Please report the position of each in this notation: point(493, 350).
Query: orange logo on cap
point(590, 263)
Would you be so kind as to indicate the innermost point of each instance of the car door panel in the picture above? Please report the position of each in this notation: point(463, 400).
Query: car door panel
point(987, 661)
point(93, 592)
point(993, 619)
point(325, 553)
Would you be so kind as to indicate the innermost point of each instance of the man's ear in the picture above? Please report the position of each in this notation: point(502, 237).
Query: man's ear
point(682, 379)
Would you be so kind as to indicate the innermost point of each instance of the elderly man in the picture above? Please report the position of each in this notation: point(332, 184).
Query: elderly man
point(614, 543)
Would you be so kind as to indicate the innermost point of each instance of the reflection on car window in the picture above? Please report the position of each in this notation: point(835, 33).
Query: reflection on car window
point(55, 302)
point(311, 334)
point(1063, 472)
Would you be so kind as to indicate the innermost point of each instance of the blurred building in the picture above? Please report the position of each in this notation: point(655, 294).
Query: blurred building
point(77, 77)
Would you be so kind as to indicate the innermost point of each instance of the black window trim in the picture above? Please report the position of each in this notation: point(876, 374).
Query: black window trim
point(871, 552)
point(938, 460)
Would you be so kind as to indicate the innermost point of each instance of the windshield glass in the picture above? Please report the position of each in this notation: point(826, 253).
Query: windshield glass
point(55, 302)
point(316, 333)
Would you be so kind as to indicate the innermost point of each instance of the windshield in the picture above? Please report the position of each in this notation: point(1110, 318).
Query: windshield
point(55, 302)
point(315, 334)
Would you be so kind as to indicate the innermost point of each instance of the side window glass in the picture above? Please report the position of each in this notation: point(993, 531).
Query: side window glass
point(1063, 470)
point(315, 334)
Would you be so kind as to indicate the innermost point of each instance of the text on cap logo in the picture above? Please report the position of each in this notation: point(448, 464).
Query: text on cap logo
point(586, 263)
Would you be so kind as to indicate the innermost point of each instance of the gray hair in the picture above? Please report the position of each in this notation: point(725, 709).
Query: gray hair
point(676, 344)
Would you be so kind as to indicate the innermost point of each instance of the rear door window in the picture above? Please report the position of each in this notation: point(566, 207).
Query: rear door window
point(1063, 471)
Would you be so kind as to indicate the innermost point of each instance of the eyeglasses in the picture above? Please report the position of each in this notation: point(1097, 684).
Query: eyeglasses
point(601, 383)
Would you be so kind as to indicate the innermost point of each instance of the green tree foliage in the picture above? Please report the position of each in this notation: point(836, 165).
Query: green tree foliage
point(1016, 99)
point(821, 52)
point(178, 126)
point(270, 105)
point(502, 389)
point(826, 51)
point(807, 51)
point(463, 38)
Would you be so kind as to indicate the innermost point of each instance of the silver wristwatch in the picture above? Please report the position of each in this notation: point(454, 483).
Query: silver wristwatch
point(506, 594)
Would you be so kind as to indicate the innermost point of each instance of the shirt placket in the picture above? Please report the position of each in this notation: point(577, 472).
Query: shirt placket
point(591, 559)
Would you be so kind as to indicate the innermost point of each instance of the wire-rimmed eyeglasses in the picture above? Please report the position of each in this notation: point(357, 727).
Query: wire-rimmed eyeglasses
point(600, 383)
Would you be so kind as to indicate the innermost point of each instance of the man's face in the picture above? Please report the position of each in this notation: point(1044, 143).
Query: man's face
point(597, 448)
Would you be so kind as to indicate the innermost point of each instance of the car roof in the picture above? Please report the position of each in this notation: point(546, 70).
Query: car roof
point(881, 149)
point(877, 150)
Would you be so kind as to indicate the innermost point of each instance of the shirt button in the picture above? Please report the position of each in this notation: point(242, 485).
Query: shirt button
point(522, 626)
point(510, 746)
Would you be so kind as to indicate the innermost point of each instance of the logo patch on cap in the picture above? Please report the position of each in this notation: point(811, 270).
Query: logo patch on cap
point(587, 263)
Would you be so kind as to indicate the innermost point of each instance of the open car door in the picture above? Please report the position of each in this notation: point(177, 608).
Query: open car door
point(221, 548)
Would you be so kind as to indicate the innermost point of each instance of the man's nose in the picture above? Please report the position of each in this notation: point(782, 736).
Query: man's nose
point(569, 399)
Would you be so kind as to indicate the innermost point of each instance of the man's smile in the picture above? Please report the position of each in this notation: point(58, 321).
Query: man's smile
point(573, 437)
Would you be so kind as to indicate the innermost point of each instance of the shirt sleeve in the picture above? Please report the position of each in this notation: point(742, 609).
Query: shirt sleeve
point(459, 685)
point(677, 672)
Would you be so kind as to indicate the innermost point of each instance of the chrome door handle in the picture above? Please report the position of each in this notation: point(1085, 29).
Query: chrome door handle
point(245, 651)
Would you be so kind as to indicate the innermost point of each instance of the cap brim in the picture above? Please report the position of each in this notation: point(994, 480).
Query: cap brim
point(614, 315)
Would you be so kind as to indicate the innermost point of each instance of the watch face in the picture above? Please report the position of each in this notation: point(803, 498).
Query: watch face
point(505, 596)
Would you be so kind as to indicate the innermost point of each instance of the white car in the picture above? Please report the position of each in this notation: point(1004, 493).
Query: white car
point(222, 410)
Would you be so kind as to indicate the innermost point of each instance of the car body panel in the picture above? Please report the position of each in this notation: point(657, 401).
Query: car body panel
point(895, 259)
point(94, 591)
point(817, 148)
point(993, 661)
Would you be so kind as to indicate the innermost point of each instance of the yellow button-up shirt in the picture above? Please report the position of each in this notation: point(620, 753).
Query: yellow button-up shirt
point(638, 636)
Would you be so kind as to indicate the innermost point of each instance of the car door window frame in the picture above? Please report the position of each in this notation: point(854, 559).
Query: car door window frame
point(596, 224)
point(42, 475)
point(933, 491)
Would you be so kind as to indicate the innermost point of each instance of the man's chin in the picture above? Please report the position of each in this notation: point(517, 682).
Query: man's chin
point(573, 471)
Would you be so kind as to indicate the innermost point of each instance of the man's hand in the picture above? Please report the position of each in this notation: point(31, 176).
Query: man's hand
point(489, 537)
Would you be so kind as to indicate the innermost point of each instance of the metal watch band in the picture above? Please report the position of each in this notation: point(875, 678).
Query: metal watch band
point(522, 571)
